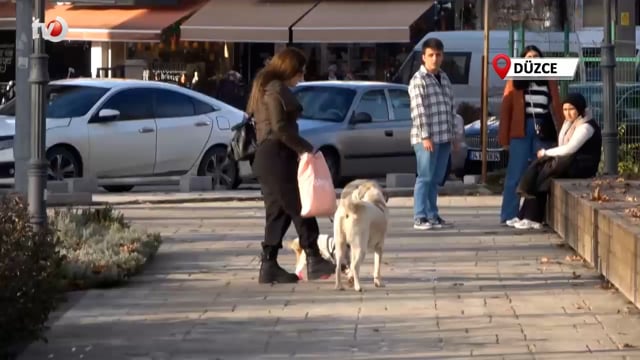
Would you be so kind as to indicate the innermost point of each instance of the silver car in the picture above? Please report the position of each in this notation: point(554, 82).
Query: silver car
point(361, 127)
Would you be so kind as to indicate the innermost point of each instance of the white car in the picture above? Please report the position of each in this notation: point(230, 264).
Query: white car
point(129, 132)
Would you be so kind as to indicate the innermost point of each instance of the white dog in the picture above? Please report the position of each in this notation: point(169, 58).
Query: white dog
point(327, 247)
point(360, 222)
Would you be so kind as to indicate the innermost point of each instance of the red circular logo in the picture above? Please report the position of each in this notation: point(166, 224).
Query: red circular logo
point(56, 30)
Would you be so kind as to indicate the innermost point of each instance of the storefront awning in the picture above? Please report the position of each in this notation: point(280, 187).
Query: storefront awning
point(120, 24)
point(374, 21)
point(244, 21)
point(7, 16)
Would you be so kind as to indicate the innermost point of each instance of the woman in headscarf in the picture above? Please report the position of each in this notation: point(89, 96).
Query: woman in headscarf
point(577, 156)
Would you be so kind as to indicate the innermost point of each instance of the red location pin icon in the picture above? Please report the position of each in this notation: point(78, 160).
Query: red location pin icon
point(502, 71)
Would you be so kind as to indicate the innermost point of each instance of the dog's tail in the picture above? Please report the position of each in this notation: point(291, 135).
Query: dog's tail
point(354, 207)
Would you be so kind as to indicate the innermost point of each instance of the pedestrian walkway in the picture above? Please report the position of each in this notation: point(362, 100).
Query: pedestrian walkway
point(477, 290)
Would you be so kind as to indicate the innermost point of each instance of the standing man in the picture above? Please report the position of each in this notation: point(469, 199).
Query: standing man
point(432, 132)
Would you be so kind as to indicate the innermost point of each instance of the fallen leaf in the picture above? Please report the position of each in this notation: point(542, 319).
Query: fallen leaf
point(573, 258)
point(633, 212)
point(628, 346)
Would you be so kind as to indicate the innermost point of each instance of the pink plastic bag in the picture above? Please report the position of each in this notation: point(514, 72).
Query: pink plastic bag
point(317, 194)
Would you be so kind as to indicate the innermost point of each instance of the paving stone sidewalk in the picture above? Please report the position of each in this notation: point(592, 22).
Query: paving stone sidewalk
point(476, 290)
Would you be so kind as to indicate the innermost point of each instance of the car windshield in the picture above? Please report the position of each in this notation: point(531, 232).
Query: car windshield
point(65, 101)
point(325, 103)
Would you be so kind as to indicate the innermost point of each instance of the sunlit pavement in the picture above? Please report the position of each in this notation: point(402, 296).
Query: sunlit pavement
point(477, 290)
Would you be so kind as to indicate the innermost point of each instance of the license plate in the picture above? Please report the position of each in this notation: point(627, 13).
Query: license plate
point(491, 156)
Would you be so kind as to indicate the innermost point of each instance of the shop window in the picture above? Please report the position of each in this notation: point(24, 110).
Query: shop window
point(469, 15)
point(374, 103)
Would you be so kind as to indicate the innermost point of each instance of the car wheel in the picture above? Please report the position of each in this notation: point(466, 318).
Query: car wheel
point(333, 163)
point(118, 188)
point(63, 164)
point(222, 169)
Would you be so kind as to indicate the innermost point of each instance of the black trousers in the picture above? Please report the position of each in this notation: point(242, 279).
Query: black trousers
point(276, 167)
point(534, 208)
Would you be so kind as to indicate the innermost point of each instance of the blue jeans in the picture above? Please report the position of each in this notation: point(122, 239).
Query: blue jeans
point(431, 168)
point(521, 152)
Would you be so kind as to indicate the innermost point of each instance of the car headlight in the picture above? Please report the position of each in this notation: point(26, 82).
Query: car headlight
point(6, 144)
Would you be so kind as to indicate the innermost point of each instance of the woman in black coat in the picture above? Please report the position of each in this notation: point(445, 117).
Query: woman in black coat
point(577, 156)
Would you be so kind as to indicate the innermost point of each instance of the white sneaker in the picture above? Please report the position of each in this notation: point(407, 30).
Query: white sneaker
point(527, 224)
point(512, 222)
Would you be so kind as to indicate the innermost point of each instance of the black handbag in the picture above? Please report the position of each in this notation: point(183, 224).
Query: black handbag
point(244, 141)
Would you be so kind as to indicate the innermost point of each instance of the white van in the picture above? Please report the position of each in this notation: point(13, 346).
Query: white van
point(463, 52)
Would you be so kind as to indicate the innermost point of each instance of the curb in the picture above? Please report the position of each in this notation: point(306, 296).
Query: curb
point(175, 198)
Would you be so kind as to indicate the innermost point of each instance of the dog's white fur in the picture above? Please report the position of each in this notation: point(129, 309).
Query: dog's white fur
point(361, 222)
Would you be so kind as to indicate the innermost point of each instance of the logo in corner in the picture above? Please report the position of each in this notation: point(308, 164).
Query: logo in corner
point(54, 31)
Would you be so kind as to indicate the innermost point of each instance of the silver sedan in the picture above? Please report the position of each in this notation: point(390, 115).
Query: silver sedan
point(362, 128)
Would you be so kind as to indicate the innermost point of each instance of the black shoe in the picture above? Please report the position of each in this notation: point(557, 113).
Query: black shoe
point(271, 272)
point(318, 267)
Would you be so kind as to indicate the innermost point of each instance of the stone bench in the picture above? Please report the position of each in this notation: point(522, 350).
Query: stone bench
point(600, 231)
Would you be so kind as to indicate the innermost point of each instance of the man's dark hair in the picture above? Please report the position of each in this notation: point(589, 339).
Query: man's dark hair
point(433, 44)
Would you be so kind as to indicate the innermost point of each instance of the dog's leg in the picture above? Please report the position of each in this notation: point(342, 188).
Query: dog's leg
point(301, 262)
point(377, 263)
point(338, 253)
point(357, 255)
point(339, 242)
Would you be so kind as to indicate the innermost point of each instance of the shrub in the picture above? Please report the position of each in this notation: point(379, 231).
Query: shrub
point(628, 156)
point(29, 273)
point(101, 249)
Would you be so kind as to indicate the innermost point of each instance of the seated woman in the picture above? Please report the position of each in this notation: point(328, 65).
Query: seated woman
point(577, 156)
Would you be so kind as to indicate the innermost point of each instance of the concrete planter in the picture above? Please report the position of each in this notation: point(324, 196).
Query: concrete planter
point(600, 232)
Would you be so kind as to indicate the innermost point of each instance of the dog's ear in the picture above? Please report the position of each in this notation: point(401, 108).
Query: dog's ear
point(359, 192)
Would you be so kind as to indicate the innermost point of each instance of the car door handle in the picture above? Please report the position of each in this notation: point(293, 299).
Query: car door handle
point(388, 133)
point(202, 123)
point(145, 130)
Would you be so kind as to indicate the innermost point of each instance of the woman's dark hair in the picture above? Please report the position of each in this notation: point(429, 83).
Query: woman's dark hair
point(284, 66)
point(524, 84)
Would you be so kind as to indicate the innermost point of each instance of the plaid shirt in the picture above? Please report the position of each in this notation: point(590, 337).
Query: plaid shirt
point(432, 110)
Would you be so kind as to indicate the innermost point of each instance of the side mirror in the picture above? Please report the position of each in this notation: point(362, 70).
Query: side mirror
point(106, 115)
point(361, 118)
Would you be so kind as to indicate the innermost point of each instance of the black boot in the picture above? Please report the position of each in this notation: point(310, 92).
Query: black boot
point(317, 266)
point(271, 272)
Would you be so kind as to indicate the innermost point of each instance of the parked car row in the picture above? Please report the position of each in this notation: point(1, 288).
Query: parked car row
point(126, 132)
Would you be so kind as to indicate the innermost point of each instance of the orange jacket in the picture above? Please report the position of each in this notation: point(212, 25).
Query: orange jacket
point(512, 112)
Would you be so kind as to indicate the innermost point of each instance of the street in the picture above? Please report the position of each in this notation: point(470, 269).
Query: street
point(477, 290)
